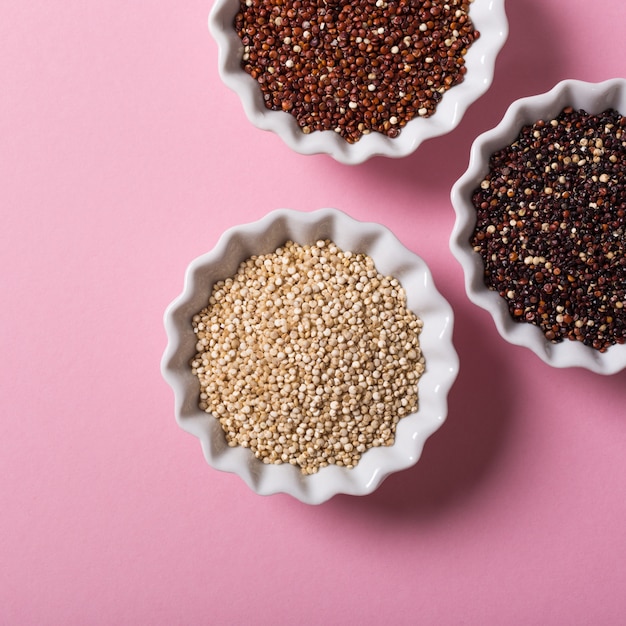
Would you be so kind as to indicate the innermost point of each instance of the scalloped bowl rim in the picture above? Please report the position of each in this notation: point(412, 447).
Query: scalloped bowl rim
point(593, 97)
point(489, 18)
point(266, 235)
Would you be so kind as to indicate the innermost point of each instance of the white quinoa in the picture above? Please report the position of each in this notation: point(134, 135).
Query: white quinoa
point(308, 356)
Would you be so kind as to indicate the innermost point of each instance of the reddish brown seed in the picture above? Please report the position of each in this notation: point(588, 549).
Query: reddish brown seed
point(406, 54)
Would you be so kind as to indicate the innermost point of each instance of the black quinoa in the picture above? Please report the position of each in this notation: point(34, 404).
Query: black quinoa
point(551, 227)
point(355, 66)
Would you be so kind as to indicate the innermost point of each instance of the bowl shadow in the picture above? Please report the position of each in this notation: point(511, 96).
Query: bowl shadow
point(458, 456)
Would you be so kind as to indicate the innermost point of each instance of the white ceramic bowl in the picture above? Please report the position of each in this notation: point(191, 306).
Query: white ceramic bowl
point(391, 258)
point(593, 98)
point(488, 17)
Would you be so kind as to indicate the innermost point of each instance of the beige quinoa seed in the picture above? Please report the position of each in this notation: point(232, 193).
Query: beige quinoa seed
point(308, 356)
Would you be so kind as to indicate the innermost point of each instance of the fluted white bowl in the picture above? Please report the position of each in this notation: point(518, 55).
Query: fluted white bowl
point(593, 98)
point(391, 258)
point(489, 19)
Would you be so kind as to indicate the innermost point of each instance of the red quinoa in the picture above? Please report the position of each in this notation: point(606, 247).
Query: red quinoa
point(355, 66)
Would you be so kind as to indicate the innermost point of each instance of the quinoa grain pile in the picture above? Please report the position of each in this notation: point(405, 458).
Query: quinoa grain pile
point(308, 356)
point(355, 66)
point(551, 227)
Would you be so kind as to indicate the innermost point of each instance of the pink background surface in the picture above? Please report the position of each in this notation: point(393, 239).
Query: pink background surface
point(123, 157)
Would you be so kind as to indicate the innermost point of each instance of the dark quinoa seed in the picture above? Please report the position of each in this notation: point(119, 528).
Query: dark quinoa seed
point(551, 227)
point(356, 66)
